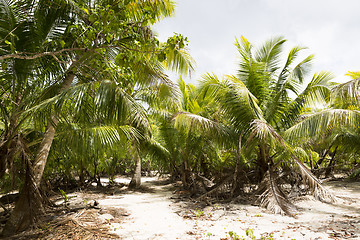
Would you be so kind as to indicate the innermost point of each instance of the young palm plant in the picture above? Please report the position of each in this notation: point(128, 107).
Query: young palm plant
point(187, 135)
point(338, 122)
point(257, 104)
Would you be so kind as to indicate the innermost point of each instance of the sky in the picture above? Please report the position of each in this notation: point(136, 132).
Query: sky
point(330, 29)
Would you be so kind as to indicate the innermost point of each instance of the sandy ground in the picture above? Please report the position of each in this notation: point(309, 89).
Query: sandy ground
point(158, 213)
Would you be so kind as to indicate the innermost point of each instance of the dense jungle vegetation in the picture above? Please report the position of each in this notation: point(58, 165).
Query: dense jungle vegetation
point(84, 94)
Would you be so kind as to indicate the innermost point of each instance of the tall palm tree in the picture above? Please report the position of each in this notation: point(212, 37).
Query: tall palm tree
point(88, 44)
point(27, 27)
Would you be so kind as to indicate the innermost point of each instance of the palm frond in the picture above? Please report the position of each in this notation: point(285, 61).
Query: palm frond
point(180, 61)
point(156, 150)
point(301, 153)
point(262, 131)
point(235, 100)
point(288, 80)
point(160, 9)
point(318, 123)
point(316, 92)
point(252, 72)
point(302, 69)
point(107, 135)
point(159, 96)
point(346, 94)
point(201, 125)
point(8, 21)
point(314, 184)
point(273, 198)
point(293, 53)
point(115, 103)
point(270, 53)
point(353, 75)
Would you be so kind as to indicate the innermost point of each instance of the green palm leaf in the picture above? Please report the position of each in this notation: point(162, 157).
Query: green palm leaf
point(317, 92)
point(346, 94)
point(236, 101)
point(263, 132)
point(322, 122)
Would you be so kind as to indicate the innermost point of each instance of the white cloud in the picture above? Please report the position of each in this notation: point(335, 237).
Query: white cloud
point(329, 28)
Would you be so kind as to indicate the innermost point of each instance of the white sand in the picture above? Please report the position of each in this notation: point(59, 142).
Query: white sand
point(154, 215)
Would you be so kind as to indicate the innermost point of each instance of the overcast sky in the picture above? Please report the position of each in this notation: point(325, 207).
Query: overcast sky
point(329, 28)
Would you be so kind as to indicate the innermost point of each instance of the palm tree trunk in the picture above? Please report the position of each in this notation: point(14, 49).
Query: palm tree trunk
point(204, 166)
point(43, 151)
point(262, 162)
point(136, 179)
point(81, 173)
point(45, 145)
point(311, 162)
point(29, 206)
point(331, 163)
point(237, 168)
point(8, 142)
point(322, 158)
point(186, 173)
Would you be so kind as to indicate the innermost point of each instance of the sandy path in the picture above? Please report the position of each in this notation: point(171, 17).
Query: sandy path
point(154, 215)
point(151, 214)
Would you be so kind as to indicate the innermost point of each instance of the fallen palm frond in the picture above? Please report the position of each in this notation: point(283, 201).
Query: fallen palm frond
point(217, 188)
point(314, 184)
point(272, 198)
point(84, 224)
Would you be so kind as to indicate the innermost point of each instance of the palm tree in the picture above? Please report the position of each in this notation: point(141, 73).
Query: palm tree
point(90, 47)
point(186, 133)
point(25, 27)
point(338, 123)
point(258, 105)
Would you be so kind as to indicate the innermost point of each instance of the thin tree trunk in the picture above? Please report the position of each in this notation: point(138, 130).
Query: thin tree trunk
point(81, 173)
point(262, 162)
point(331, 163)
point(96, 173)
point(175, 173)
point(204, 166)
point(45, 145)
point(322, 158)
point(186, 172)
point(8, 144)
point(236, 172)
point(43, 151)
point(136, 179)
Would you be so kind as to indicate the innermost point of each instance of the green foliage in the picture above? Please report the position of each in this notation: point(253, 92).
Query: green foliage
point(269, 237)
point(250, 233)
point(234, 235)
point(121, 103)
point(355, 174)
point(113, 52)
point(353, 75)
point(199, 213)
point(63, 193)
